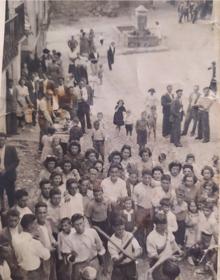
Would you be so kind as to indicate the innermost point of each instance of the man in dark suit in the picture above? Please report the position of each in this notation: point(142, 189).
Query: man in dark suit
point(166, 101)
point(111, 55)
point(8, 164)
point(176, 117)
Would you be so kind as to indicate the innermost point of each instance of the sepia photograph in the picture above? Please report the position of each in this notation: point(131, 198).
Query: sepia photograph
point(109, 139)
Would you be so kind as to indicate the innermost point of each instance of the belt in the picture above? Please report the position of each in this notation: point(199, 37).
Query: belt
point(124, 264)
point(87, 261)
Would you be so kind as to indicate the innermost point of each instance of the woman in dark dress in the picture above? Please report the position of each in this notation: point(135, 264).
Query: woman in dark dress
point(118, 119)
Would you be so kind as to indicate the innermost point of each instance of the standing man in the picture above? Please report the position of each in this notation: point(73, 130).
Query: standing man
point(192, 111)
point(8, 164)
point(45, 236)
point(204, 104)
point(111, 55)
point(86, 247)
point(176, 117)
point(11, 108)
point(166, 101)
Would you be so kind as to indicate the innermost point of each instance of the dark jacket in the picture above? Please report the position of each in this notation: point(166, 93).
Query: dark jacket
point(166, 103)
point(11, 162)
point(110, 55)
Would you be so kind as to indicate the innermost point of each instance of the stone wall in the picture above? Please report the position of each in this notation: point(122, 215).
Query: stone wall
point(75, 9)
point(72, 10)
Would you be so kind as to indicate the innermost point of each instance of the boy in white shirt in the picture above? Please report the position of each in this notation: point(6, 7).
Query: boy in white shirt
point(171, 218)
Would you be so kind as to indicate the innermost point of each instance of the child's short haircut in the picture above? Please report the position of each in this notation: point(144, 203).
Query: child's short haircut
point(157, 168)
point(27, 220)
point(54, 192)
point(13, 213)
point(96, 123)
point(39, 205)
point(20, 193)
point(43, 182)
point(165, 202)
point(146, 172)
point(97, 189)
point(188, 156)
point(119, 221)
point(127, 198)
point(180, 193)
point(65, 220)
point(166, 177)
point(71, 181)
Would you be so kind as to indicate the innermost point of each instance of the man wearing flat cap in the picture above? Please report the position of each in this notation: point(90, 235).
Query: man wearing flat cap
point(176, 117)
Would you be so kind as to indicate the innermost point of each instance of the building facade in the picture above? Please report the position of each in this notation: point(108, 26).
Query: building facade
point(26, 23)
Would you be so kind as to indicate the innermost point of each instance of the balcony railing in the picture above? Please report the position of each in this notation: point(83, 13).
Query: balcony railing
point(10, 41)
point(20, 21)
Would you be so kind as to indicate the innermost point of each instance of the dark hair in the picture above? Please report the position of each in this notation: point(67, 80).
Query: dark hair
point(27, 220)
point(162, 156)
point(119, 221)
point(165, 201)
point(3, 135)
point(39, 205)
point(160, 218)
point(76, 217)
point(192, 176)
point(74, 143)
point(157, 168)
point(13, 213)
point(114, 153)
point(171, 269)
point(166, 177)
point(43, 182)
point(208, 205)
point(20, 193)
point(71, 181)
point(54, 192)
point(187, 165)
point(49, 159)
point(56, 173)
point(145, 150)
point(91, 151)
point(99, 161)
point(126, 147)
point(93, 167)
point(190, 156)
point(96, 123)
point(67, 161)
point(66, 219)
point(114, 165)
point(51, 130)
point(97, 189)
point(146, 172)
point(206, 167)
point(175, 163)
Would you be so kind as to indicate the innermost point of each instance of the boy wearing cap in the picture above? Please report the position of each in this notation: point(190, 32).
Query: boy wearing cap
point(176, 116)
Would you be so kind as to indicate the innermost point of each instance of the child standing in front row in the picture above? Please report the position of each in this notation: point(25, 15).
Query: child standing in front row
point(141, 129)
point(64, 239)
point(192, 220)
point(128, 213)
point(129, 122)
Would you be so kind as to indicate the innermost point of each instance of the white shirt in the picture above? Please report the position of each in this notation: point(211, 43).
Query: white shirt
point(159, 193)
point(29, 252)
point(171, 222)
point(47, 240)
point(64, 242)
point(87, 245)
point(156, 243)
point(5, 272)
point(73, 206)
point(207, 224)
point(2, 158)
point(143, 195)
point(132, 250)
point(114, 191)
